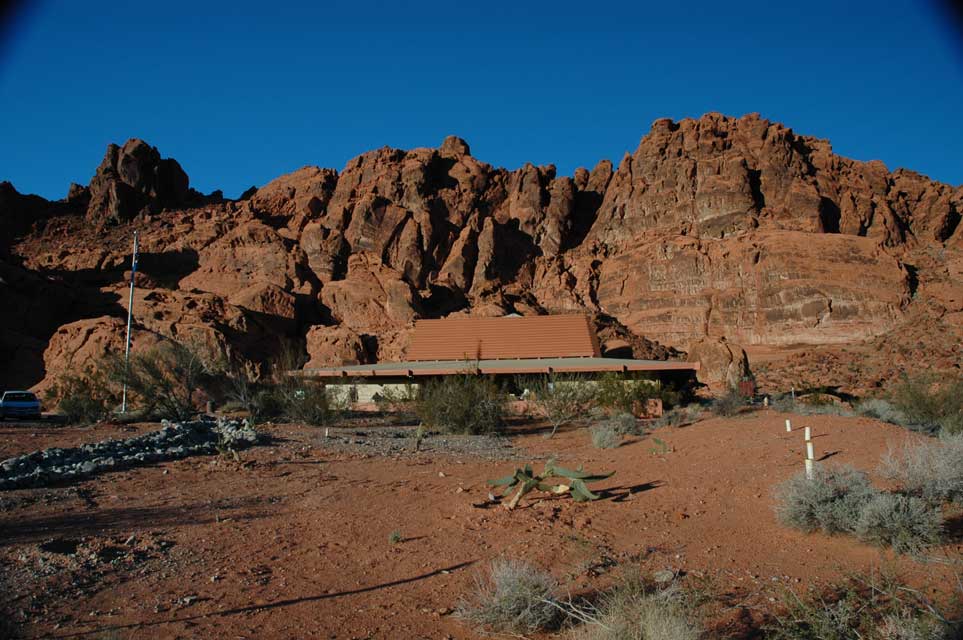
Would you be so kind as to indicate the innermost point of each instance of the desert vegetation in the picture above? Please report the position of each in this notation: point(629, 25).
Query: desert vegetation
point(910, 519)
point(466, 403)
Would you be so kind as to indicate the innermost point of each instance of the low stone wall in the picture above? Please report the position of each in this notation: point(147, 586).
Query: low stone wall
point(172, 441)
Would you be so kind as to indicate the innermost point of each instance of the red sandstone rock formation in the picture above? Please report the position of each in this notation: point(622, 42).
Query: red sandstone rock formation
point(713, 228)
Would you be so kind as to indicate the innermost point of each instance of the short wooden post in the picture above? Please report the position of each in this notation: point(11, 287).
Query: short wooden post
point(809, 451)
point(809, 469)
point(788, 426)
point(808, 434)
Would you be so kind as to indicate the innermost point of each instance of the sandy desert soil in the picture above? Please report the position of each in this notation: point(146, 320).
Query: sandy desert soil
point(293, 541)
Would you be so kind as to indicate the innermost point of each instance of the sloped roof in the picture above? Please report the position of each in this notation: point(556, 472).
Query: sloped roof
point(507, 338)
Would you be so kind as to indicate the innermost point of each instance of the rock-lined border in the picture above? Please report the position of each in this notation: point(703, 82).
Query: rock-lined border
point(173, 441)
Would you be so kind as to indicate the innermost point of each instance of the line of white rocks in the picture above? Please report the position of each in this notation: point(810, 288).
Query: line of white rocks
point(172, 441)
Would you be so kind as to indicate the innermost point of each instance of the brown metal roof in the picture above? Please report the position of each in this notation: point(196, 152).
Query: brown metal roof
point(468, 339)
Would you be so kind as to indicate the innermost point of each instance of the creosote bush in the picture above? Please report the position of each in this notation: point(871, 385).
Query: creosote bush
point(464, 403)
point(930, 404)
point(931, 470)
point(621, 394)
point(831, 501)
point(86, 398)
point(165, 381)
point(905, 523)
point(677, 417)
point(561, 399)
point(515, 598)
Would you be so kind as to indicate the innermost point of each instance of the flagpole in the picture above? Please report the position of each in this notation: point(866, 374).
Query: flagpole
point(130, 315)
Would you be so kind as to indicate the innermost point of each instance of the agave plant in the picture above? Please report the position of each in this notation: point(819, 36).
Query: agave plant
point(526, 481)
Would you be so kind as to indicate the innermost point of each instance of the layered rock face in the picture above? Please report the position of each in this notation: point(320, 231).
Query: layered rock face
point(713, 228)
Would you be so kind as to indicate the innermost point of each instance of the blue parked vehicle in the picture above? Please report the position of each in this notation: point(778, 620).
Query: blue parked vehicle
point(19, 404)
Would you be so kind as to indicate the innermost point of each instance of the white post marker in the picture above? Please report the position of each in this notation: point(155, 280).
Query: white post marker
point(809, 434)
point(809, 469)
point(810, 455)
point(788, 426)
point(130, 315)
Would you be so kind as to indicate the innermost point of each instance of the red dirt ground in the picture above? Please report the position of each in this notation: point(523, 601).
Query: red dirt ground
point(294, 542)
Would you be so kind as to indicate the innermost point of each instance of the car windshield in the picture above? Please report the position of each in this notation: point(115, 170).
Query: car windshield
point(21, 396)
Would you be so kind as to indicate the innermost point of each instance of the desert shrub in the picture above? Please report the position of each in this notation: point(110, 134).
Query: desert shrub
point(905, 523)
point(909, 625)
point(605, 436)
point(633, 612)
point(677, 417)
point(397, 403)
point(167, 380)
point(930, 405)
point(462, 404)
point(881, 608)
point(831, 501)
point(516, 598)
point(880, 409)
point(728, 404)
point(306, 401)
point(624, 424)
point(620, 394)
point(931, 470)
point(561, 399)
point(86, 398)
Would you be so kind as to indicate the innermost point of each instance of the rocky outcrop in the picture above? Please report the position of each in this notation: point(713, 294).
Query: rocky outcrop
point(714, 228)
point(132, 179)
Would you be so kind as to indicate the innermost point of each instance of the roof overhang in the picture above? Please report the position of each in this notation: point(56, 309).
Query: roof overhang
point(496, 367)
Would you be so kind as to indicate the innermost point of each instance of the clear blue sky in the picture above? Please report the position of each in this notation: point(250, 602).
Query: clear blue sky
point(242, 92)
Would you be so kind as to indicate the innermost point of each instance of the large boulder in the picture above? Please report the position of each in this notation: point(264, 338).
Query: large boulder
point(722, 365)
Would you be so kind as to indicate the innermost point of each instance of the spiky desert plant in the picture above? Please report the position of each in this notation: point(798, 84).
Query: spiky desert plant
point(526, 481)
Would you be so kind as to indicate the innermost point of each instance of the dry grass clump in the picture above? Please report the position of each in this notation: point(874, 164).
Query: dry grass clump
point(931, 470)
point(831, 501)
point(633, 612)
point(905, 523)
point(516, 598)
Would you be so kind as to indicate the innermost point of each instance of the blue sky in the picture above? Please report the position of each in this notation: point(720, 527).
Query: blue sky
point(241, 92)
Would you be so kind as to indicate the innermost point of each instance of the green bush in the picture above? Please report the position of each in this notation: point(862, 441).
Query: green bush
point(84, 399)
point(929, 404)
point(605, 436)
point(931, 470)
point(462, 404)
point(905, 523)
point(166, 382)
point(517, 598)
point(620, 394)
point(561, 399)
point(830, 501)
